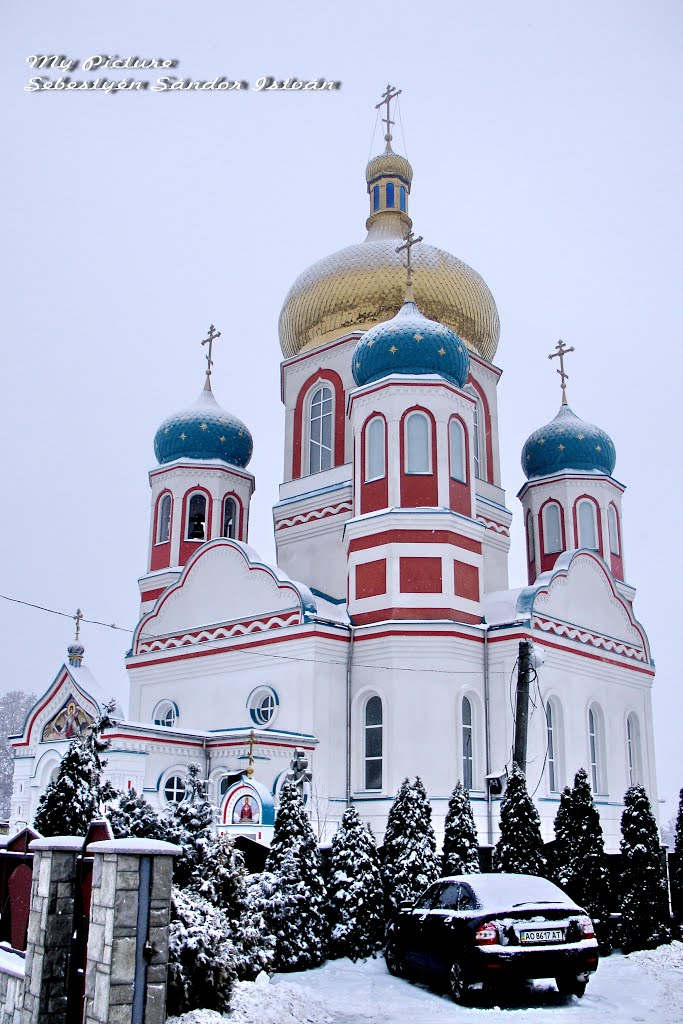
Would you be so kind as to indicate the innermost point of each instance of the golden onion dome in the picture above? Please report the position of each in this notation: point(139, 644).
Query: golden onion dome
point(364, 284)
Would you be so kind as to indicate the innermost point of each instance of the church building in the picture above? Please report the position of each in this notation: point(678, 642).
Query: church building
point(384, 640)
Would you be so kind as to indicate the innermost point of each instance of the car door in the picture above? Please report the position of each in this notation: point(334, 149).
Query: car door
point(438, 930)
point(413, 928)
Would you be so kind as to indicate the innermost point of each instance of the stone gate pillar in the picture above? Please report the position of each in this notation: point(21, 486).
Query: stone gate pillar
point(125, 981)
point(50, 927)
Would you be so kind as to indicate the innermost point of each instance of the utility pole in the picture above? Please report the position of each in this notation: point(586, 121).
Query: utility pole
point(522, 706)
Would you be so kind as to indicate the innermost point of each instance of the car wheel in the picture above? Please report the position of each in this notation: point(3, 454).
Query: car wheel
point(394, 962)
point(457, 983)
point(571, 984)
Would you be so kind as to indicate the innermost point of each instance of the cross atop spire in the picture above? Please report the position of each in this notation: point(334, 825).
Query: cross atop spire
point(561, 352)
point(213, 334)
point(408, 243)
point(77, 619)
point(389, 94)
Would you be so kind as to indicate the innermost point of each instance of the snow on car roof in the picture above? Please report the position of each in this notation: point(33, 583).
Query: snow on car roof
point(512, 890)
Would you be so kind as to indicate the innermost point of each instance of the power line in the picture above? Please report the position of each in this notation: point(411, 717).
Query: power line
point(65, 615)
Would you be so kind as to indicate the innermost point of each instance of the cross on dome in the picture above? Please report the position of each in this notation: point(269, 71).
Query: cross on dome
point(408, 244)
point(77, 619)
point(389, 94)
point(561, 352)
point(213, 335)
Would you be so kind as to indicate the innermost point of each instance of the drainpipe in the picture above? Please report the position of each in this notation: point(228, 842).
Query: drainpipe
point(349, 660)
point(487, 740)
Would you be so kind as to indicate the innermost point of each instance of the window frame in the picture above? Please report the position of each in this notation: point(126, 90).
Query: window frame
point(467, 742)
point(530, 538)
point(551, 747)
point(412, 415)
point(554, 505)
point(174, 777)
point(613, 530)
point(456, 422)
point(235, 519)
point(318, 387)
point(634, 760)
point(582, 503)
point(188, 516)
point(255, 702)
point(375, 420)
point(161, 501)
point(596, 750)
point(369, 759)
point(165, 708)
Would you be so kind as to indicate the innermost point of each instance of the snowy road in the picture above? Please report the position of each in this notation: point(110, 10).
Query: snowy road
point(644, 988)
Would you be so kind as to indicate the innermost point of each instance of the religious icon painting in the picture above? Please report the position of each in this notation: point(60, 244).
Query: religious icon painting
point(70, 721)
point(246, 811)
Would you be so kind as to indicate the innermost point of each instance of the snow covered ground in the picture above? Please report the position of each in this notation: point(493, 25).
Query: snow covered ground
point(642, 988)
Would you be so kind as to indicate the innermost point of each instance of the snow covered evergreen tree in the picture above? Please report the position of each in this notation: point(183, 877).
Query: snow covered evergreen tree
point(677, 870)
point(561, 855)
point(409, 860)
point(460, 841)
point(520, 847)
point(643, 896)
point(583, 873)
point(76, 796)
point(191, 826)
point(201, 969)
point(133, 816)
point(296, 913)
point(355, 898)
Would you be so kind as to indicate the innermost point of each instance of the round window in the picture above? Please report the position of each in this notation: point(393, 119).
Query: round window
point(174, 789)
point(263, 704)
point(166, 714)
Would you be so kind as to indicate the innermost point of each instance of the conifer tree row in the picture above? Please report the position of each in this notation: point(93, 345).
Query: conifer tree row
point(409, 860)
point(643, 896)
point(355, 899)
point(460, 841)
point(520, 847)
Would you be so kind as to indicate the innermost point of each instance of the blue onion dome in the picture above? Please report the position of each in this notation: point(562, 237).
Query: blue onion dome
point(410, 343)
point(568, 442)
point(204, 431)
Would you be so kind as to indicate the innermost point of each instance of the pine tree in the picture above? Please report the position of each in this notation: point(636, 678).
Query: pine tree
point(677, 867)
point(191, 827)
point(201, 968)
point(295, 915)
point(644, 899)
point(133, 816)
point(520, 847)
point(460, 842)
point(584, 874)
point(409, 860)
point(355, 899)
point(561, 855)
point(75, 797)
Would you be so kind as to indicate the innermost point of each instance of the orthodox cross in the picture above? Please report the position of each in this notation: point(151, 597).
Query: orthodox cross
point(250, 766)
point(213, 334)
point(562, 351)
point(408, 243)
point(77, 619)
point(389, 94)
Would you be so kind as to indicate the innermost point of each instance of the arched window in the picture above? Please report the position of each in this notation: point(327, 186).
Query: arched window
point(375, 198)
point(418, 443)
point(402, 197)
point(595, 750)
point(633, 750)
point(373, 743)
point(320, 437)
point(174, 789)
point(374, 450)
point(456, 450)
point(390, 195)
point(164, 520)
point(552, 529)
point(530, 544)
point(166, 713)
point(196, 517)
point(467, 748)
point(229, 528)
point(588, 530)
point(613, 523)
point(552, 748)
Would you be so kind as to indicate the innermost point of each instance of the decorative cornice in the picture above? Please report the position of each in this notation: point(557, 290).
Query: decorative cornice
point(497, 527)
point(585, 637)
point(318, 513)
point(223, 632)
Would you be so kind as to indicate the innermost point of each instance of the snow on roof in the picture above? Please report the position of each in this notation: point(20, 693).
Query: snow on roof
point(500, 606)
point(153, 847)
point(11, 963)
point(330, 610)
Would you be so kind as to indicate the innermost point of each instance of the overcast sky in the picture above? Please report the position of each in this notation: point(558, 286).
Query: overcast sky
point(546, 145)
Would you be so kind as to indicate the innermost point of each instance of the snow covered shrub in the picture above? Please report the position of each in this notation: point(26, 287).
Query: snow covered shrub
point(460, 841)
point(580, 861)
point(644, 899)
point(677, 868)
point(409, 860)
point(191, 827)
point(520, 847)
point(74, 798)
point(295, 913)
point(201, 969)
point(133, 816)
point(355, 899)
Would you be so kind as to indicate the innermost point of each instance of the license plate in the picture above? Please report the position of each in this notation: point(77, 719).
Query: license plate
point(529, 938)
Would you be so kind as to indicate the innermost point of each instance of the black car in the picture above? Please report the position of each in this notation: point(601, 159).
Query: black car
point(491, 929)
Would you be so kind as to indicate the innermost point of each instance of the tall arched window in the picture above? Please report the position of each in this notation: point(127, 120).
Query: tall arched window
point(530, 545)
point(375, 197)
point(229, 527)
point(595, 750)
point(373, 743)
point(375, 467)
point(476, 441)
point(552, 748)
point(196, 517)
point(320, 434)
point(402, 197)
point(456, 451)
point(390, 195)
point(613, 522)
point(467, 744)
point(552, 529)
point(588, 529)
point(633, 750)
point(418, 443)
point(164, 520)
